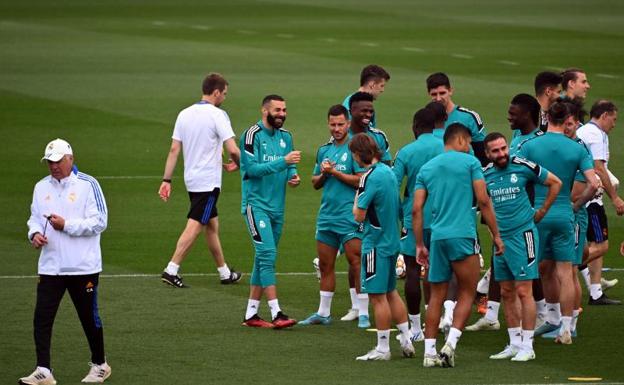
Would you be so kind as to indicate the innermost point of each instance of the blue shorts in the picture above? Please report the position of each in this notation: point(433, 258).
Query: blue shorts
point(519, 262)
point(378, 273)
point(445, 251)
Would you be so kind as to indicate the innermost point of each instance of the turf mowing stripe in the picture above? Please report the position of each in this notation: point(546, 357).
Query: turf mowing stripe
point(607, 76)
point(509, 63)
point(294, 273)
point(412, 49)
point(461, 56)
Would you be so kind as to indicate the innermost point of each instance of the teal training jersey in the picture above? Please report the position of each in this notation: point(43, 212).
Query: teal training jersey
point(439, 133)
point(407, 163)
point(448, 179)
point(517, 140)
point(507, 188)
point(470, 119)
point(345, 103)
point(263, 169)
point(563, 157)
point(382, 142)
point(337, 199)
point(378, 195)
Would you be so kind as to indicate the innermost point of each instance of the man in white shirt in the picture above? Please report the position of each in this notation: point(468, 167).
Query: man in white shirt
point(68, 213)
point(595, 135)
point(201, 132)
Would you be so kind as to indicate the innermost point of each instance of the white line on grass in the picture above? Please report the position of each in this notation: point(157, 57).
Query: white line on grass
point(607, 76)
point(509, 63)
point(294, 273)
point(461, 56)
point(412, 49)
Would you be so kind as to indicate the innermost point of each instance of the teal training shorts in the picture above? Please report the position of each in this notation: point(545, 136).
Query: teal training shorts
point(338, 234)
point(445, 251)
point(408, 241)
point(378, 273)
point(519, 262)
point(556, 240)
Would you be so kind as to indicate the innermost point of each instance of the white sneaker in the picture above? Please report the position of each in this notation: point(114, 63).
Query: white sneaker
point(447, 356)
point(317, 268)
point(483, 324)
point(431, 361)
point(38, 378)
point(524, 356)
point(407, 348)
point(351, 315)
point(565, 338)
point(507, 353)
point(607, 284)
point(374, 355)
point(445, 325)
point(418, 337)
point(97, 373)
point(539, 321)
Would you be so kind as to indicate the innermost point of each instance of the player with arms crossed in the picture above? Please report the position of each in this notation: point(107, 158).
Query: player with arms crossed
point(268, 164)
point(376, 205)
point(507, 179)
point(450, 181)
point(337, 173)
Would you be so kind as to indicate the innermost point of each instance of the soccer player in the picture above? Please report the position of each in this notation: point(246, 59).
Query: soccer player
point(595, 135)
point(439, 117)
point(451, 181)
point(407, 163)
point(201, 132)
point(564, 157)
point(268, 164)
point(337, 173)
point(574, 83)
point(440, 90)
point(507, 178)
point(373, 80)
point(547, 89)
point(376, 206)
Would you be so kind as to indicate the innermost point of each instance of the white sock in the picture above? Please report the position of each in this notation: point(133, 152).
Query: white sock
point(383, 341)
point(541, 308)
point(415, 321)
point(484, 283)
point(585, 275)
point(274, 306)
point(430, 347)
point(354, 298)
point(449, 306)
point(527, 339)
point(453, 337)
point(363, 304)
point(224, 271)
point(253, 305)
point(595, 290)
point(565, 324)
point(45, 371)
point(426, 306)
point(325, 304)
point(515, 337)
point(404, 330)
point(575, 317)
point(554, 313)
point(492, 311)
point(172, 268)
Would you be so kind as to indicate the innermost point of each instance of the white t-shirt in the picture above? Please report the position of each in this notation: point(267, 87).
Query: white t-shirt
point(202, 128)
point(598, 143)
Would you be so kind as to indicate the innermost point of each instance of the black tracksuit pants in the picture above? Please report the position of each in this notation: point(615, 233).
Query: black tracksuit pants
point(83, 292)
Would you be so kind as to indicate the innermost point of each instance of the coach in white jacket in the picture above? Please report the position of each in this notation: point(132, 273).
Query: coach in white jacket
point(68, 213)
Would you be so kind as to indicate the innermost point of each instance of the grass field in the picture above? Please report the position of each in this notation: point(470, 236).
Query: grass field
point(110, 77)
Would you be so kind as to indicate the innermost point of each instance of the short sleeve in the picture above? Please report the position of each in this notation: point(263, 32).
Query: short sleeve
point(319, 159)
point(223, 126)
point(420, 182)
point(177, 128)
point(476, 172)
point(366, 192)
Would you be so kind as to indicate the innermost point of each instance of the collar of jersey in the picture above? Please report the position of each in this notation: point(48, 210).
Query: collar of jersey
point(266, 130)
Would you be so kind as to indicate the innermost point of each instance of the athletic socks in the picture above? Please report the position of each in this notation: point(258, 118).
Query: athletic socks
point(595, 290)
point(404, 330)
point(383, 341)
point(575, 316)
point(415, 321)
point(541, 308)
point(430, 347)
point(484, 283)
point(224, 271)
point(554, 313)
point(253, 306)
point(449, 307)
point(325, 305)
point(274, 306)
point(453, 337)
point(172, 268)
point(363, 304)
point(527, 339)
point(515, 336)
point(565, 324)
point(354, 298)
point(45, 371)
point(585, 275)
point(492, 311)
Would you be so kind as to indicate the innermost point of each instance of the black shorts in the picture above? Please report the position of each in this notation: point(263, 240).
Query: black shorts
point(597, 228)
point(203, 205)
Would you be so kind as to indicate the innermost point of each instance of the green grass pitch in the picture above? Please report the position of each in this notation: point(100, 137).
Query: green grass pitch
point(111, 76)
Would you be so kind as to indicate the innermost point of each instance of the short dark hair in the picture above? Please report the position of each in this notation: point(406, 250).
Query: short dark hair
point(558, 112)
point(576, 108)
point(365, 147)
point(373, 72)
point(546, 79)
point(601, 106)
point(337, 110)
point(360, 97)
point(267, 99)
point(528, 104)
point(438, 79)
point(456, 130)
point(214, 81)
point(569, 74)
point(492, 136)
point(423, 122)
point(439, 112)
